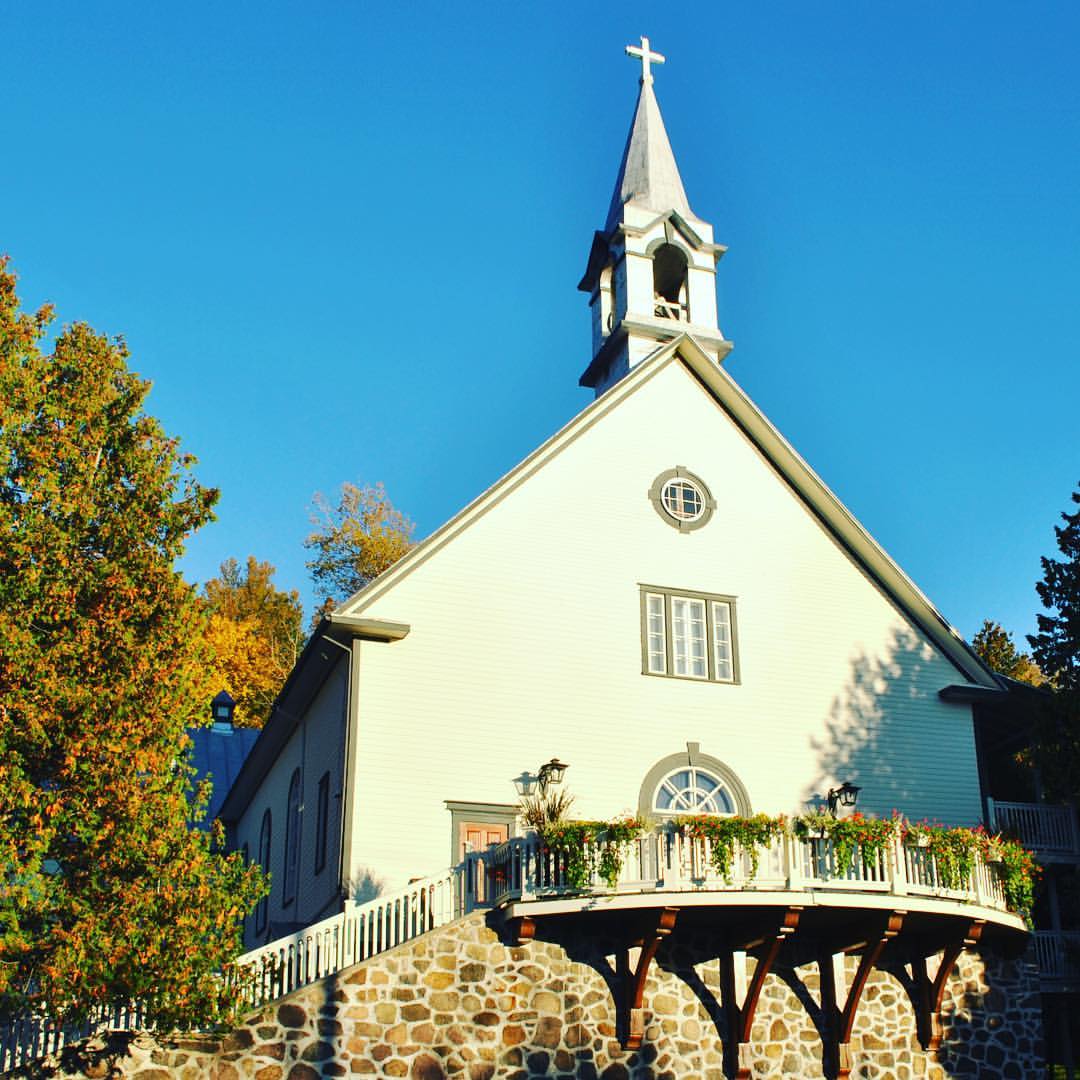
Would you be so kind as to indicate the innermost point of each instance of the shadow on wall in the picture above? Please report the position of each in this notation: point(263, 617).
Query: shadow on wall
point(872, 737)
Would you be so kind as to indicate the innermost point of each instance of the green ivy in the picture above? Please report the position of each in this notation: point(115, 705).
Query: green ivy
point(848, 835)
point(723, 833)
point(592, 847)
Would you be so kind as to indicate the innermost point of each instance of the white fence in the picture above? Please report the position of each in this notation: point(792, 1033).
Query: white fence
point(360, 931)
point(668, 861)
point(1046, 830)
point(29, 1038)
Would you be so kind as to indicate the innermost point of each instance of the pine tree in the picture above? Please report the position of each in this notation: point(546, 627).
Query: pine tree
point(108, 895)
point(995, 647)
point(1056, 646)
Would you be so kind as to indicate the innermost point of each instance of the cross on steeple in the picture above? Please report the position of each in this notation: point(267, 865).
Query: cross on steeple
point(646, 56)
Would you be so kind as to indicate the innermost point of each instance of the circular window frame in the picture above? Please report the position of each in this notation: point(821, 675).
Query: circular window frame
point(656, 497)
point(691, 757)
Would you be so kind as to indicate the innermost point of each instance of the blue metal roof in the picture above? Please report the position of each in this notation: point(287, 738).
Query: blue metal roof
point(218, 752)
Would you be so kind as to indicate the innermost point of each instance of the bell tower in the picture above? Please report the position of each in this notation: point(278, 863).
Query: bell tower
point(652, 268)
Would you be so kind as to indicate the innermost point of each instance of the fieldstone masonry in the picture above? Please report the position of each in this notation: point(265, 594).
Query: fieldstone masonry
point(459, 1003)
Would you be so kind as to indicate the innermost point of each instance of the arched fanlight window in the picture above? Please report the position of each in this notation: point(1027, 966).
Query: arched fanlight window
point(692, 783)
point(264, 861)
point(692, 791)
point(292, 841)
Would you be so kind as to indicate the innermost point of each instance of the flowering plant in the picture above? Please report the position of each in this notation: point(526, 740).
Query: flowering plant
point(592, 847)
point(723, 833)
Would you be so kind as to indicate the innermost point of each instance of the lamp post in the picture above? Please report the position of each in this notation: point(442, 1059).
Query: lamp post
point(847, 794)
point(551, 772)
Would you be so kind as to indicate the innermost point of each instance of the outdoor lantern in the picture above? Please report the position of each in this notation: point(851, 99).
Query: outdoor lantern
point(221, 708)
point(552, 773)
point(525, 784)
point(847, 794)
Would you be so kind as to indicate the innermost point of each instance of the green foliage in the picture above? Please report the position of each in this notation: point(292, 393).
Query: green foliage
point(724, 833)
point(848, 835)
point(954, 850)
point(107, 894)
point(356, 540)
point(994, 646)
point(1018, 873)
point(544, 809)
point(1056, 646)
point(589, 848)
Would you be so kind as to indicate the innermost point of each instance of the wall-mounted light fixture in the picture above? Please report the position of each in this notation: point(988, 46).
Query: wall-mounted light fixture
point(551, 772)
point(847, 794)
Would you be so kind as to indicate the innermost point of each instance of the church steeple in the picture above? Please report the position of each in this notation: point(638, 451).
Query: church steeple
point(652, 268)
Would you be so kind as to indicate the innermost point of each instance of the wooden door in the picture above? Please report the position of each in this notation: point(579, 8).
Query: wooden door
point(475, 836)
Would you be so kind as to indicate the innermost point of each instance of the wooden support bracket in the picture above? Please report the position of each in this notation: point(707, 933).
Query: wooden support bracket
point(740, 1014)
point(521, 930)
point(931, 992)
point(633, 976)
point(840, 1018)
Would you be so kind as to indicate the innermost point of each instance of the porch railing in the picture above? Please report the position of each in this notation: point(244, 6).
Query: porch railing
point(1057, 953)
point(1045, 830)
point(523, 869)
point(352, 935)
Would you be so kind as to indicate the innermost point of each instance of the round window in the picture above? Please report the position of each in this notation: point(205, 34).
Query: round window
point(682, 499)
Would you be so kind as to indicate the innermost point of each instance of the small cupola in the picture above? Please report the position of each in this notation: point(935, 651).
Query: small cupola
point(221, 709)
point(652, 268)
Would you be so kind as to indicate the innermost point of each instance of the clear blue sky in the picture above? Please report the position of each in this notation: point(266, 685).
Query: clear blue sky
point(251, 193)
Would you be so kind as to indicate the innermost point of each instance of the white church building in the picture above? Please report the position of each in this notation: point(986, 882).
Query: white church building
point(664, 595)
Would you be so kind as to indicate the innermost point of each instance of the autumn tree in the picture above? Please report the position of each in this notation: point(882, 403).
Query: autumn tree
point(108, 895)
point(254, 632)
point(355, 540)
point(996, 649)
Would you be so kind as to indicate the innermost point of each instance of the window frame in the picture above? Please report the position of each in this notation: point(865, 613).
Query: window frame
point(322, 822)
point(294, 808)
point(708, 600)
point(266, 836)
point(656, 497)
point(691, 757)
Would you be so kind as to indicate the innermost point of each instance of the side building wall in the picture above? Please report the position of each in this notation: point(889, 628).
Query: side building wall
point(459, 1003)
point(315, 747)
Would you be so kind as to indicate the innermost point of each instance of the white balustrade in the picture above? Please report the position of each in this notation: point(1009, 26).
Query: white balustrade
point(360, 931)
point(669, 861)
point(1046, 830)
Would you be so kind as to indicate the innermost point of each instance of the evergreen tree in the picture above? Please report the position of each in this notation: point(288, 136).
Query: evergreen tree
point(995, 648)
point(108, 895)
point(1056, 646)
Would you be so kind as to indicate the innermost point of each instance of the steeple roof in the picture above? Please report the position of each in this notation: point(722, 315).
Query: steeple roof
point(648, 175)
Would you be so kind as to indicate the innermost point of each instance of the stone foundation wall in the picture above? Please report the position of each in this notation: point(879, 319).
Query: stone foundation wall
point(458, 1003)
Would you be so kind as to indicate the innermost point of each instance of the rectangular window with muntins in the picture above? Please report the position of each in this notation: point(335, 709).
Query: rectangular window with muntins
point(688, 635)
